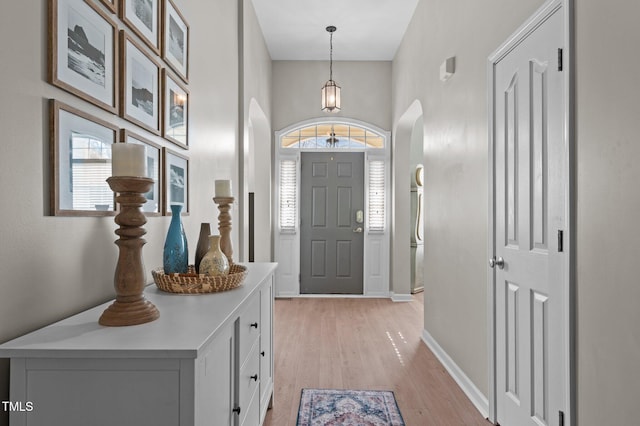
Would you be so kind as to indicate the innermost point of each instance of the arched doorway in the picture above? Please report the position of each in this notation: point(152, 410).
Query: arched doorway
point(409, 132)
point(255, 186)
point(338, 137)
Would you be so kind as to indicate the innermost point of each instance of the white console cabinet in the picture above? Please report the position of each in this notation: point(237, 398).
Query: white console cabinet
point(207, 361)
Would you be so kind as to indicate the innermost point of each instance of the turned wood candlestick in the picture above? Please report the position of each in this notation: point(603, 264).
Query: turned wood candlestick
point(224, 225)
point(130, 306)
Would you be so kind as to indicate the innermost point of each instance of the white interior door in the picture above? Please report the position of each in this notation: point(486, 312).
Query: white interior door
point(529, 216)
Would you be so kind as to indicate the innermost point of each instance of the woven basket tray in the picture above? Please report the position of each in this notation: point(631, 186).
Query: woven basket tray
point(193, 283)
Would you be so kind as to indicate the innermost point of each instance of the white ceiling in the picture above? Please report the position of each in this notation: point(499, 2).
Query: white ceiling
point(368, 30)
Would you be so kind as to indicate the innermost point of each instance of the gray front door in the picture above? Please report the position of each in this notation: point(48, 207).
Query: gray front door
point(331, 240)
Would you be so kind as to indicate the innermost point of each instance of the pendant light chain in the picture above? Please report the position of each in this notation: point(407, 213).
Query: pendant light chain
point(331, 56)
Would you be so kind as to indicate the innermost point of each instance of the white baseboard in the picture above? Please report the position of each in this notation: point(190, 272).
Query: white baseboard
point(473, 393)
point(401, 297)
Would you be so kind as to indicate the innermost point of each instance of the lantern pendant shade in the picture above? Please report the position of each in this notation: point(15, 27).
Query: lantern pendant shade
point(330, 91)
point(331, 97)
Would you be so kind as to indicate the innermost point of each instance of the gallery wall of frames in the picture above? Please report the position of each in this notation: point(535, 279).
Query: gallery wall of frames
point(131, 59)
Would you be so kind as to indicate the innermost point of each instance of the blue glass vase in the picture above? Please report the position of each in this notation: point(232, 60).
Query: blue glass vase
point(176, 253)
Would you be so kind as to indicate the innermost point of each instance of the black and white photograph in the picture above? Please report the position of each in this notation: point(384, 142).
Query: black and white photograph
point(83, 43)
point(176, 184)
point(175, 110)
point(154, 152)
point(140, 87)
point(176, 40)
point(81, 162)
point(86, 48)
point(144, 12)
point(142, 17)
point(176, 180)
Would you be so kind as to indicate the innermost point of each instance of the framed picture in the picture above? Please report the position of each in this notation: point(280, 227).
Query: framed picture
point(153, 205)
point(175, 40)
point(143, 17)
point(175, 110)
point(176, 181)
point(140, 85)
point(112, 5)
point(80, 157)
point(83, 58)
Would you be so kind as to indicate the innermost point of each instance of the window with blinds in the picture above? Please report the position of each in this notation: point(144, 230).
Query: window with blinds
point(90, 168)
point(376, 196)
point(288, 195)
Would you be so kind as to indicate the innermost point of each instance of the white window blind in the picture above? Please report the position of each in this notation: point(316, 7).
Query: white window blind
point(288, 194)
point(376, 196)
point(90, 188)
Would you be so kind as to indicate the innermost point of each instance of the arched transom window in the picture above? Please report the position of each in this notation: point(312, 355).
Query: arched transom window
point(332, 135)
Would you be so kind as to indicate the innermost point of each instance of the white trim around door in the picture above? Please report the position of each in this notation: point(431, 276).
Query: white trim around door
point(287, 239)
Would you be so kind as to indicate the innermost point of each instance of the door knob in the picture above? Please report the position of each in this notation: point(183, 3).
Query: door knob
point(499, 262)
point(358, 230)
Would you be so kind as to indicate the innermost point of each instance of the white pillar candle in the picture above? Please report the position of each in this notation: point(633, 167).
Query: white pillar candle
point(128, 159)
point(223, 188)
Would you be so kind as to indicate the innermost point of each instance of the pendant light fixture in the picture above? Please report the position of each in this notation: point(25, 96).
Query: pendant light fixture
point(331, 140)
point(330, 90)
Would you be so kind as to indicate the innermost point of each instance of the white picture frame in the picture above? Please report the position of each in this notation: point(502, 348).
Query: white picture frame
point(175, 181)
point(175, 40)
point(175, 110)
point(83, 59)
point(140, 85)
point(80, 157)
point(143, 18)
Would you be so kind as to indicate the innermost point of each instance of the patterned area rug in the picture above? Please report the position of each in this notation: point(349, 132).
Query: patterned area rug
point(331, 407)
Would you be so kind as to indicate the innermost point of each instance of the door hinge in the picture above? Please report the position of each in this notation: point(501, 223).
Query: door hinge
point(560, 240)
point(560, 418)
point(560, 59)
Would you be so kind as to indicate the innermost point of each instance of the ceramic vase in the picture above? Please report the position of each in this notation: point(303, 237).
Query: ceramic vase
point(203, 244)
point(214, 262)
point(176, 253)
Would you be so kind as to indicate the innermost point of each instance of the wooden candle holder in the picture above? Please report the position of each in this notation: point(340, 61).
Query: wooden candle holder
point(224, 225)
point(130, 306)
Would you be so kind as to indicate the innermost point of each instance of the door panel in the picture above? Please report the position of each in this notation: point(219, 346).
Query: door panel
point(529, 140)
point(331, 253)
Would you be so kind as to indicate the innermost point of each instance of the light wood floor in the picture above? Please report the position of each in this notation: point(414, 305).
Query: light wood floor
point(362, 344)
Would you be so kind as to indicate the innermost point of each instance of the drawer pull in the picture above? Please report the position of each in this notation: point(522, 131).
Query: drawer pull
point(262, 353)
point(236, 410)
point(254, 377)
point(254, 325)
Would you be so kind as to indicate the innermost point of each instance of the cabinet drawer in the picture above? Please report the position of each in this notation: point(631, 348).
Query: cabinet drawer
point(249, 328)
point(248, 380)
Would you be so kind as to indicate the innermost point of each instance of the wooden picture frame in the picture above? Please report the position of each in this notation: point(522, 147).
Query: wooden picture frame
point(80, 162)
point(112, 5)
point(175, 181)
point(143, 18)
point(82, 54)
point(175, 110)
point(139, 85)
point(153, 206)
point(175, 40)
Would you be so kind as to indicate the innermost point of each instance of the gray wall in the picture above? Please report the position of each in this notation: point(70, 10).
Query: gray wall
point(53, 267)
point(256, 138)
point(456, 162)
point(608, 202)
point(607, 198)
point(366, 91)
